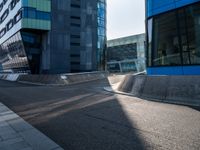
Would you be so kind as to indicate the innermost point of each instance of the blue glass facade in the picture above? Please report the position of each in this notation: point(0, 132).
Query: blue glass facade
point(33, 13)
point(173, 37)
point(49, 36)
point(155, 7)
point(101, 33)
point(20, 39)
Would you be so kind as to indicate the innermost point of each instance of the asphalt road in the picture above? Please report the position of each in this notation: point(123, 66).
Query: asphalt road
point(85, 117)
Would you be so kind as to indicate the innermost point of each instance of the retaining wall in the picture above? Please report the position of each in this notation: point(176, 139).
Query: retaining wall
point(172, 89)
point(63, 79)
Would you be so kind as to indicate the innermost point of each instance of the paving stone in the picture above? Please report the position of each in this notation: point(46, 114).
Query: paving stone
point(29, 148)
point(4, 110)
point(10, 136)
point(11, 141)
point(37, 140)
point(9, 116)
point(7, 132)
point(16, 146)
point(19, 125)
point(6, 129)
point(3, 123)
point(20, 145)
point(16, 134)
point(57, 148)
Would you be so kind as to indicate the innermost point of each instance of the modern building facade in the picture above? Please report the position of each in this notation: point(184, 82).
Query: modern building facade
point(173, 37)
point(52, 36)
point(126, 54)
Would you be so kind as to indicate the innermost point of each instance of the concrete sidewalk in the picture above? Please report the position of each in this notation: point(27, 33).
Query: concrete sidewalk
point(16, 134)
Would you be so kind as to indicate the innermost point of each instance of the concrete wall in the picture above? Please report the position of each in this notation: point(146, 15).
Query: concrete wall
point(62, 79)
point(172, 89)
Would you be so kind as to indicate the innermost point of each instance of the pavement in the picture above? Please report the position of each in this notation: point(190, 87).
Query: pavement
point(16, 134)
point(85, 117)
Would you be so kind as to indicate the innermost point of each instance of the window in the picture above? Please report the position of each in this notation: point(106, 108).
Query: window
point(1, 7)
point(166, 44)
point(101, 31)
point(28, 12)
point(2, 32)
point(75, 17)
point(12, 4)
point(190, 35)
point(31, 13)
point(101, 22)
point(150, 34)
point(75, 36)
point(9, 25)
point(18, 16)
point(12, 54)
point(175, 37)
point(5, 14)
point(75, 24)
point(74, 44)
point(4, 1)
point(43, 15)
point(75, 5)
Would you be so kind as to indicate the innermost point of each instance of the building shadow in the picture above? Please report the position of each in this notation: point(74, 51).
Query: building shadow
point(78, 117)
point(195, 108)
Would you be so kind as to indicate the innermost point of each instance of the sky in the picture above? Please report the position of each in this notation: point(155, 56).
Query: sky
point(125, 17)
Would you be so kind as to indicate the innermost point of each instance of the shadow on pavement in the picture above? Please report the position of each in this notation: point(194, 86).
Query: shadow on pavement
point(195, 107)
point(77, 117)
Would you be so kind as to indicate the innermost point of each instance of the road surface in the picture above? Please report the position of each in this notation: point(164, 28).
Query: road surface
point(85, 117)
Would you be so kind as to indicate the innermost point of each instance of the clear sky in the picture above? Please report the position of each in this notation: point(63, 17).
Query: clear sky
point(125, 17)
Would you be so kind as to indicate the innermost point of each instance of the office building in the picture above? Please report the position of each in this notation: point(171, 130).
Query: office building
point(173, 37)
point(52, 36)
point(126, 54)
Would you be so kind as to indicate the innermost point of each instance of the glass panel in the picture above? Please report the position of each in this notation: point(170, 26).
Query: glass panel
point(101, 31)
point(176, 37)
point(32, 13)
point(193, 29)
point(12, 55)
point(150, 31)
point(166, 42)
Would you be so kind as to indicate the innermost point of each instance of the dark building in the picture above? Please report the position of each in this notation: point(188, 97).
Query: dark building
point(122, 52)
point(52, 36)
point(173, 37)
point(126, 54)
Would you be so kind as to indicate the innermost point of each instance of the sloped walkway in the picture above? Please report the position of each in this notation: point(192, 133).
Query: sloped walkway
point(16, 134)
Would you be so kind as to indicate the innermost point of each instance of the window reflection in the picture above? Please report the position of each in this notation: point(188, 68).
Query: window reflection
point(12, 55)
point(101, 31)
point(175, 38)
point(167, 51)
point(192, 23)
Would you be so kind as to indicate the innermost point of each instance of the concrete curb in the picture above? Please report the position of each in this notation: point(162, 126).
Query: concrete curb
point(55, 80)
point(184, 90)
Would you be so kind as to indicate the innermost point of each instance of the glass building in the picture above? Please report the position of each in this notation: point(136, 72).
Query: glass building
point(126, 54)
point(51, 36)
point(173, 37)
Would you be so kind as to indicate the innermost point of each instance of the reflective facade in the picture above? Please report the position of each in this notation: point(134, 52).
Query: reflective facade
point(173, 28)
point(13, 56)
point(101, 45)
point(126, 54)
point(47, 36)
